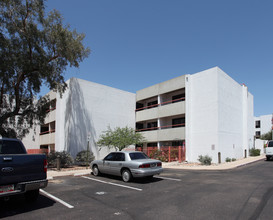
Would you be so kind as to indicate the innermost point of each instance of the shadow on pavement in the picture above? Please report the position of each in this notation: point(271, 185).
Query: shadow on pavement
point(18, 205)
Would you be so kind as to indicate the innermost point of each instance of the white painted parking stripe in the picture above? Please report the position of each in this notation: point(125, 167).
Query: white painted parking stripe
point(115, 184)
point(56, 199)
point(167, 178)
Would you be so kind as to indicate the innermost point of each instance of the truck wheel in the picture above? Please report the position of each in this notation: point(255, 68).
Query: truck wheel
point(95, 170)
point(32, 196)
point(268, 158)
point(126, 175)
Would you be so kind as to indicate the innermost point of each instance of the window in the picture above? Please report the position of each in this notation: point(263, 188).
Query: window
point(177, 143)
point(178, 122)
point(257, 124)
point(138, 156)
point(139, 106)
point(152, 144)
point(152, 104)
point(152, 125)
point(11, 147)
point(139, 126)
point(178, 98)
point(258, 133)
point(109, 157)
point(119, 157)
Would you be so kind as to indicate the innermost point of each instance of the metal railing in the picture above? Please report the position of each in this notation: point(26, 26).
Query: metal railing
point(160, 104)
point(161, 127)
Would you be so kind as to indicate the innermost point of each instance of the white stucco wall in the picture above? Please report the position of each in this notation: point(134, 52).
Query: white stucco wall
point(89, 108)
point(266, 123)
point(32, 140)
point(218, 113)
point(201, 114)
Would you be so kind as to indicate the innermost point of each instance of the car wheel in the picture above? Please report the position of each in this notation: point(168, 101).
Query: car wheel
point(126, 175)
point(95, 170)
point(268, 158)
point(32, 196)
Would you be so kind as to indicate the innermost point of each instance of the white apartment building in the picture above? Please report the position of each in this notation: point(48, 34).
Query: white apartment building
point(207, 112)
point(84, 111)
point(263, 124)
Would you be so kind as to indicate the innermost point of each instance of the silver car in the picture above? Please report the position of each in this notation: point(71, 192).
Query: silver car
point(128, 165)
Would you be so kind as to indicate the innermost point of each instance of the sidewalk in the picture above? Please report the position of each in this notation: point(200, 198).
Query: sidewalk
point(221, 166)
point(173, 165)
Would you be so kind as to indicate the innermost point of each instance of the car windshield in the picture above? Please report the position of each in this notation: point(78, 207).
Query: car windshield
point(138, 156)
point(270, 144)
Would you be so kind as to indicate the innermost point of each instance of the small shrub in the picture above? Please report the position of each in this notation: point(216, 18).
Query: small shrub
point(228, 159)
point(159, 155)
point(254, 152)
point(233, 159)
point(205, 160)
point(84, 158)
point(66, 159)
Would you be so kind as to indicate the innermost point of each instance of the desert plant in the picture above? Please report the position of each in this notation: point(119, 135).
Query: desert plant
point(228, 159)
point(205, 160)
point(159, 155)
point(233, 159)
point(84, 158)
point(254, 152)
point(65, 159)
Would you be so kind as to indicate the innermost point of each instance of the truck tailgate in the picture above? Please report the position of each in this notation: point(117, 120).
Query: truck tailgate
point(21, 168)
point(269, 150)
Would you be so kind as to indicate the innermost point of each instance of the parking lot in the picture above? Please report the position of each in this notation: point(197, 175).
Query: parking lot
point(241, 193)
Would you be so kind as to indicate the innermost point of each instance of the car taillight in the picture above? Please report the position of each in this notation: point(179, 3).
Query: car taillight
point(45, 165)
point(147, 165)
point(159, 164)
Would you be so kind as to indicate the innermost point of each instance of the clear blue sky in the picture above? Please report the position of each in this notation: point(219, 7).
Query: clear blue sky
point(138, 43)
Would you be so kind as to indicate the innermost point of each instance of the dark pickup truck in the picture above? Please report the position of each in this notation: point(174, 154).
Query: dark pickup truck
point(21, 173)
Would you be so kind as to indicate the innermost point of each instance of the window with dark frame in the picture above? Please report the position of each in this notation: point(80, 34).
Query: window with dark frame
point(152, 125)
point(178, 122)
point(258, 133)
point(139, 106)
point(152, 104)
point(257, 124)
point(178, 98)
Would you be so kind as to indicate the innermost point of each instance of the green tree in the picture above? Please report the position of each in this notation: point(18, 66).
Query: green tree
point(266, 136)
point(35, 49)
point(120, 138)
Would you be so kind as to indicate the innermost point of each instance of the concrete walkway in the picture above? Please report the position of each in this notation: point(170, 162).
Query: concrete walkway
point(222, 166)
point(173, 165)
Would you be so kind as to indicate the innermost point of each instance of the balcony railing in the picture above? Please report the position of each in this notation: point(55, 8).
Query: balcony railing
point(47, 132)
point(160, 104)
point(161, 127)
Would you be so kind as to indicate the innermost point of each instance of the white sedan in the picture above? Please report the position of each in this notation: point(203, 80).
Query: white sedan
point(128, 165)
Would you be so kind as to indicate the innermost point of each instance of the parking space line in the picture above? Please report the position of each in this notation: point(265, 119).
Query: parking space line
point(57, 199)
point(115, 184)
point(167, 178)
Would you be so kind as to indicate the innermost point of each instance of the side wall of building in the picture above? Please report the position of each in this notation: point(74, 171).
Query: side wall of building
point(86, 110)
point(219, 112)
point(201, 115)
point(235, 118)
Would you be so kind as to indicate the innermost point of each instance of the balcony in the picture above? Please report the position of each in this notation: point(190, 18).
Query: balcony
point(164, 134)
point(47, 138)
point(51, 116)
point(162, 110)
